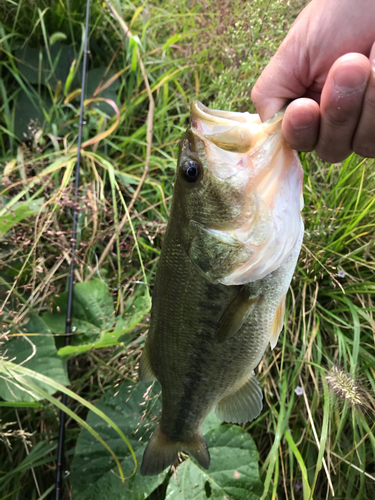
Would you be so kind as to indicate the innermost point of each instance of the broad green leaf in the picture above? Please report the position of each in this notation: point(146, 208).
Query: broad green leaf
point(108, 339)
point(211, 422)
point(34, 65)
point(43, 356)
point(28, 113)
point(103, 106)
point(136, 308)
point(94, 78)
point(93, 472)
point(135, 311)
point(233, 472)
point(93, 312)
point(94, 324)
point(19, 211)
point(31, 65)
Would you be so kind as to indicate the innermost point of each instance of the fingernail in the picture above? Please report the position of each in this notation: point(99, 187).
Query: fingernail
point(348, 79)
point(300, 121)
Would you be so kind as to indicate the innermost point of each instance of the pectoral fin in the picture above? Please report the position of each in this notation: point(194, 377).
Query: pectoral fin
point(243, 405)
point(145, 371)
point(235, 315)
point(278, 323)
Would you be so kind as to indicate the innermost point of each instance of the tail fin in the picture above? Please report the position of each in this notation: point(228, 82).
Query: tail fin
point(162, 452)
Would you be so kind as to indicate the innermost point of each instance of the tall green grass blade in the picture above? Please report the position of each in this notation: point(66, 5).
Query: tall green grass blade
point(19, 373)
point(323, 440)
point(301, 463)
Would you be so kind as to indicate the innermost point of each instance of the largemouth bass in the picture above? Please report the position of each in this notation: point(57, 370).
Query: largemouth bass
point(230, 249)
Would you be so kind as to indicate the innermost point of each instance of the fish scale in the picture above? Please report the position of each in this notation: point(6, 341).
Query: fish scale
point(218, 300)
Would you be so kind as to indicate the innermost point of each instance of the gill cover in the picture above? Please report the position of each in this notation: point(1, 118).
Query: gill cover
point(241, 151)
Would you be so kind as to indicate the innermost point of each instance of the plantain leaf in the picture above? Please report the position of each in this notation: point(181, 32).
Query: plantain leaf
point(233, 473)
point(43, 358)
point(94, 472)
point(94, 324)
point(135, 311)
point(93, 312)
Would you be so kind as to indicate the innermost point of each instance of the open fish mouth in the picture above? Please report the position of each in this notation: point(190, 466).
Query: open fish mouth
point(230, 130)
point(241, 150)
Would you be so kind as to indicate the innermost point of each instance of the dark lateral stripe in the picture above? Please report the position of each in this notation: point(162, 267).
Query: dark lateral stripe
point(200, 349)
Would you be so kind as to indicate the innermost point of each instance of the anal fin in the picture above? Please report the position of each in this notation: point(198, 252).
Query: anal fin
point(243, 405)
point(278, 323)
point(145, 371)
point(235, 315)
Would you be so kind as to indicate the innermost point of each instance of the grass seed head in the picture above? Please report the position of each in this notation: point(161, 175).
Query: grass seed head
point(6, 433)
point(345, 387)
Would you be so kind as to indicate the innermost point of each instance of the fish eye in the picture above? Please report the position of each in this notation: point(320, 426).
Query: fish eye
point(191, 171)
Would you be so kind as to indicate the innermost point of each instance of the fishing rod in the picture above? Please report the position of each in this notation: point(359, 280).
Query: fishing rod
point(68, 324)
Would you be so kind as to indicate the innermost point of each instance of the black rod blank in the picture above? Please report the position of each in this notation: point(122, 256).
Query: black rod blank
point(60, 451)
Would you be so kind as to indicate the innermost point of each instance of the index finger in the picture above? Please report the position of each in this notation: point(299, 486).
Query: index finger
point(277, 85)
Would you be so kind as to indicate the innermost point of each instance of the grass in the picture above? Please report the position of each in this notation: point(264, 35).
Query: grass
point(312, 442)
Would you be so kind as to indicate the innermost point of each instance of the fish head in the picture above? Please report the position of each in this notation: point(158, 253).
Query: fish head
point(238, 192)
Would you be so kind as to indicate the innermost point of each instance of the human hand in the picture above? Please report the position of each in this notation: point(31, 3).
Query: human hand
point(326, 64)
